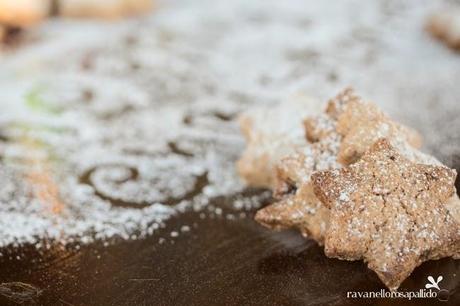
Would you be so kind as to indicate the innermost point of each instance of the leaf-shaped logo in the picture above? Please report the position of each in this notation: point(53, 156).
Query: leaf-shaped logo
point(432, 283)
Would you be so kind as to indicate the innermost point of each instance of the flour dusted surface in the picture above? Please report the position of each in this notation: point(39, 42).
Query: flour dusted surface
point(135, 122)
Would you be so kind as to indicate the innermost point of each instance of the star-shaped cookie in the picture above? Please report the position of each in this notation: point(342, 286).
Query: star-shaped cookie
point(389, 211)
point(297, 205)
point(362, 123)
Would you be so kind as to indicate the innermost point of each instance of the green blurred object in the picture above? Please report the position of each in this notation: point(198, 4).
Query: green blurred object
point(36, 103)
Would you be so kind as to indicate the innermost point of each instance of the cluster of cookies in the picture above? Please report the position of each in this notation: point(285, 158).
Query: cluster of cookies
point(354, 181)
point(22, 13)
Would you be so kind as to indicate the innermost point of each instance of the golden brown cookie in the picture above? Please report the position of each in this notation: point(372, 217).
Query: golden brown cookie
point(301, 210)
point(2, 33)
point(103, 8)
point(445, 26)
point(23, 12)
point(362, 123)
point(297, 205)
point(328, 134)
point(336, 105)
point(453, 205)
point(271, 134)
point(389, 211)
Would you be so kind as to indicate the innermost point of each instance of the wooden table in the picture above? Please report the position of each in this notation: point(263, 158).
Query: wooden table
point(219, 262)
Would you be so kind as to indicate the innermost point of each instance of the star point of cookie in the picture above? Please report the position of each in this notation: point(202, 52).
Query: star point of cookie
point(361, 123)
point(388, 211)
point(297, 208)
point(296, 205)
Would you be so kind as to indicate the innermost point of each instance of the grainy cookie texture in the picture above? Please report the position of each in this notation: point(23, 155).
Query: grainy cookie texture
point(297, 206)
point(362, 123)
point(333, 139)
point(389, 211)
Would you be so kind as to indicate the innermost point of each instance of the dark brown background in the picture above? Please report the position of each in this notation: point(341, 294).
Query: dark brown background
point(219, 262)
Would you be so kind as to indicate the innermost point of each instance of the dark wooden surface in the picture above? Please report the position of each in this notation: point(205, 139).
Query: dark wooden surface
point(219, 262)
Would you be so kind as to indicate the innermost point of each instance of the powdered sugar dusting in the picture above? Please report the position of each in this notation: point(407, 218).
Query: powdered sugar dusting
point(134, 122)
